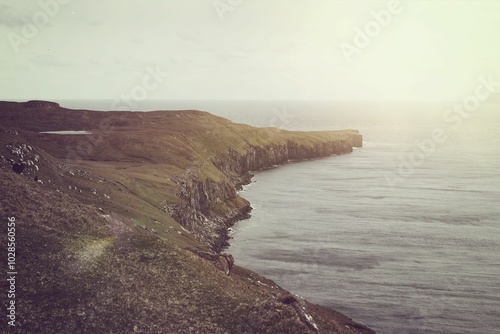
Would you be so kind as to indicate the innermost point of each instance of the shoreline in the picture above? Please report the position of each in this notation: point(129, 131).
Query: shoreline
point(168, 197)
point(211, 205)
point(249, 177)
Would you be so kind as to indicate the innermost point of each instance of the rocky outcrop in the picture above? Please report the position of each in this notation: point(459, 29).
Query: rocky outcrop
point(209, 208)
point(224, 262)
point(357, 140)
point(257, 158)
point(22, 158)
point(41, 104)
point(18, 168)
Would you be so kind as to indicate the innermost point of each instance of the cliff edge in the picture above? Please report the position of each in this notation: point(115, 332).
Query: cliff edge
point(121, 227)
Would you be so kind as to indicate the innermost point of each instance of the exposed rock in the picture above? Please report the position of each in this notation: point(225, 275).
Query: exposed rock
point(224, 262)
point(41, 104)
point(200, 211)
point(287, 299)
point(18, 168)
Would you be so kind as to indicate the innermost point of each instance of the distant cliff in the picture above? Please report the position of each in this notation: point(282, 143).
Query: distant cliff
point(41, 104)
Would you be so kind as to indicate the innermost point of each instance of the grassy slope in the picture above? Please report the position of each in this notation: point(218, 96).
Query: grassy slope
point(128, 271)
point(80, 272)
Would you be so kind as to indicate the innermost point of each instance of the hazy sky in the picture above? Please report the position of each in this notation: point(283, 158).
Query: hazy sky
point(247, 49)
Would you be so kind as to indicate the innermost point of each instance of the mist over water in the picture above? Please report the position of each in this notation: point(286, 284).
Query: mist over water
point(402, 248)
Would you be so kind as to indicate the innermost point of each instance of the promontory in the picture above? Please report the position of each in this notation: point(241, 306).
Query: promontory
point(121, 221)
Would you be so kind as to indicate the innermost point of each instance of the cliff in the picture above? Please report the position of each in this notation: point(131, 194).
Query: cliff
point(41, 104)
point(121, 229)
point(202, 200)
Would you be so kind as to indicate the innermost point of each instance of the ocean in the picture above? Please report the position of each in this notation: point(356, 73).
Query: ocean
point(402, 235)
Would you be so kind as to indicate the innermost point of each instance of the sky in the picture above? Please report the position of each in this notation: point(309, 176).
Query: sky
point(247, 49)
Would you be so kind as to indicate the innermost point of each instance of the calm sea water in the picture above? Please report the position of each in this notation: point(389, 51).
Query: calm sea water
point(402, 249)
point(402, 235)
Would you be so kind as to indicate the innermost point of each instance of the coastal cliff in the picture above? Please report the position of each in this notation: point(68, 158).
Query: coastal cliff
point(202, 200)
point(122, 228)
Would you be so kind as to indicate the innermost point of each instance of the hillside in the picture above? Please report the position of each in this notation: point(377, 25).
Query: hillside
point(121, 230)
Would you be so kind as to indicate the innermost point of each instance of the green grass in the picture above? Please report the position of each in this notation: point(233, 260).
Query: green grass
point(83, 272)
